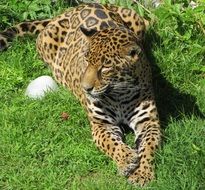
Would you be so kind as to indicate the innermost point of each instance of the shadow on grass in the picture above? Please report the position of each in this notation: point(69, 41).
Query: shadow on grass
point(170, 101)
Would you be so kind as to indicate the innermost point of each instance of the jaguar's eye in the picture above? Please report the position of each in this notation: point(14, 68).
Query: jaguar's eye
point(133, 52)
point(105, 70)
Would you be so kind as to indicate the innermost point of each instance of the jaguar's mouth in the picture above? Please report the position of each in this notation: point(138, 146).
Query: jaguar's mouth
point(113, 89)
point(99, 92)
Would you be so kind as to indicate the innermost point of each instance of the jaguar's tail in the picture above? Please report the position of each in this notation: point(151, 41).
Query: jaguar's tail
point(31, 27)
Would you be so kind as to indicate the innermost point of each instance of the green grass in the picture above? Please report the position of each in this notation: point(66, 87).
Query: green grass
point(40, 150)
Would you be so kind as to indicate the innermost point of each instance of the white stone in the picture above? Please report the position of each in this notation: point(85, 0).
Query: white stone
point(40, 86)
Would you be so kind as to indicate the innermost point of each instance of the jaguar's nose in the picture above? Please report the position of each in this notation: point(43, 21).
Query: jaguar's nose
point(87, 88)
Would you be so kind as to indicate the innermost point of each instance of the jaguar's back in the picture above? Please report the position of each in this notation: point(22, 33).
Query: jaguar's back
point(96, 51)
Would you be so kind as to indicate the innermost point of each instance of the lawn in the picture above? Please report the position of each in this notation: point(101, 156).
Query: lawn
point(41, 150)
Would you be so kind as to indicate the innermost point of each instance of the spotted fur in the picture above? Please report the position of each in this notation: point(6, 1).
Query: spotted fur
point(96, 51)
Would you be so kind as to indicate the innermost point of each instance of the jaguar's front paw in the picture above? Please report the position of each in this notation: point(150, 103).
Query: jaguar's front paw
point(128, 166)
point(142, 175)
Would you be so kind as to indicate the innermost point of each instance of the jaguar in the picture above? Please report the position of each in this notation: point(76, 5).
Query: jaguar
point(97, 52)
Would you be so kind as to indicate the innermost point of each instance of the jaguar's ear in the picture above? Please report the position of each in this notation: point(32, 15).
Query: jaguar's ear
point(88, 32)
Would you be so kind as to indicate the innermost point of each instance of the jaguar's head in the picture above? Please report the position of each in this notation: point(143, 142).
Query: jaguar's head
point(114, 61)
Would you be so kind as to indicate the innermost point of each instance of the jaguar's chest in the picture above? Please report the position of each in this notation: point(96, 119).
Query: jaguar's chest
point(115, 108)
